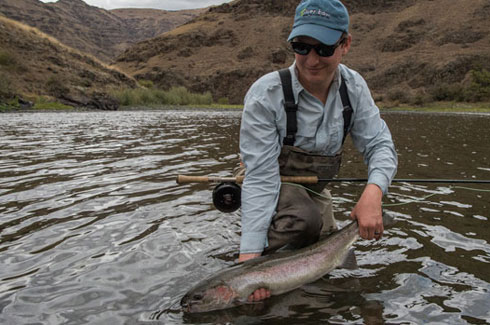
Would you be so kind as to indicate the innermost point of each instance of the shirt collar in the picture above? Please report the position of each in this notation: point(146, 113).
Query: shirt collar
point(298, 87)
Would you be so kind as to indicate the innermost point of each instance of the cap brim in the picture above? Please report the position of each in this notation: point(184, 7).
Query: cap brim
point(325, 35)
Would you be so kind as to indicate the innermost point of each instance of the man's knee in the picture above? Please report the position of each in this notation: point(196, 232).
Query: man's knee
point(308, 220)
point(298, 220)
point(298, 227)
point(311, 218)
point(324, 203)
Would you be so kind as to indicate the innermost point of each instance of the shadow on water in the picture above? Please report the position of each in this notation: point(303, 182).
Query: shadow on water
point(94, 229)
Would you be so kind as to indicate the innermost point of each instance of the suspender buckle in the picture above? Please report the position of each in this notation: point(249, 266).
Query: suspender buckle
point(290, 107)
point(289, 140)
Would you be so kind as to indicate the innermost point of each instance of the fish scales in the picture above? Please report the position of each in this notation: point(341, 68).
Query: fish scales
point(279, 272)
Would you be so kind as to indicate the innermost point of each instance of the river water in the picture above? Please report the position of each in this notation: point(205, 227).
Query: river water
point(94, 228)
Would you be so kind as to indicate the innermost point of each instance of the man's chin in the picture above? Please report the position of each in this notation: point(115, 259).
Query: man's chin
point(315, 76)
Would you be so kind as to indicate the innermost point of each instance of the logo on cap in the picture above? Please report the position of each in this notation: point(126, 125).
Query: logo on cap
point(314, 12)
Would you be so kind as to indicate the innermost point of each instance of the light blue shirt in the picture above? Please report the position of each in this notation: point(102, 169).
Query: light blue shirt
point(320, 129)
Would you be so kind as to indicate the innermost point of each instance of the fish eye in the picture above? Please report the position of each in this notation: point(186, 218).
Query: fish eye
point(197, 296)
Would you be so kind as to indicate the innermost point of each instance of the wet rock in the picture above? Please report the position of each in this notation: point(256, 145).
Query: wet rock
point(95, 101)
point(25, 104)
point(103, 102)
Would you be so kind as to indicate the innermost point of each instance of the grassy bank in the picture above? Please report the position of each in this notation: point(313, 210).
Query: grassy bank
point(440, 107)
point(152, 98)
point(156, 97)
point(38, 103)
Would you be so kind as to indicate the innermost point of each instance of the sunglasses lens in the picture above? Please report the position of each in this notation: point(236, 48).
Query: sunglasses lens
point(325, 50)
point(301, 48)
point(321, 49)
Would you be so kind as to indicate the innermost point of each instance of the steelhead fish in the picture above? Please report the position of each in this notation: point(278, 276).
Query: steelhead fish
point(280, 272)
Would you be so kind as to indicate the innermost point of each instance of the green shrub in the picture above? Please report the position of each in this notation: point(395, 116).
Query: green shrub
point(124, 97)
point(146, 83)
point(9, 104)
point(479, 89)
point(223, 101)
point(205, 99)
point(447, 92)
point(149, 97)
point(176, 96)
point(398, 95)
point(146, 96)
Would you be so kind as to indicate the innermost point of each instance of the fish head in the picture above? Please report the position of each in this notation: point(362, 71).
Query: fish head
point(206, 298)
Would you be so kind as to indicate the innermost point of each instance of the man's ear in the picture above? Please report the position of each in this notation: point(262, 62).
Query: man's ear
point(346, 45)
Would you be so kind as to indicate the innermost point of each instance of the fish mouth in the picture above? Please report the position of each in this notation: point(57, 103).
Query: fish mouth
point(193, 309)
point(186, 303)
point(190, 306)
point(187, 308)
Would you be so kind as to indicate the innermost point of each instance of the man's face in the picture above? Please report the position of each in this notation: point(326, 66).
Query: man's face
point(314, 69)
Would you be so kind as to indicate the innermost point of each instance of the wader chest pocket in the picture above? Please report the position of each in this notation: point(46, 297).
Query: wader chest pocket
point(296, 162)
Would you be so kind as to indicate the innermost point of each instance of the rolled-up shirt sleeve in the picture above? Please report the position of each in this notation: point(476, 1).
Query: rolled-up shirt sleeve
point(372, 138)
point(259, 149)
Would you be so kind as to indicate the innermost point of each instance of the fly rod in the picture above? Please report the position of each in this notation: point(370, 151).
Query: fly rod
point(227, 194)
point(183, 179)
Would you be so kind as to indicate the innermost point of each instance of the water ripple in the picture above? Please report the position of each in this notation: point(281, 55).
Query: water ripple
point(94, 228)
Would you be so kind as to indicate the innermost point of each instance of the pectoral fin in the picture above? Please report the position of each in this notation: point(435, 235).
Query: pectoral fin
point(350, 261)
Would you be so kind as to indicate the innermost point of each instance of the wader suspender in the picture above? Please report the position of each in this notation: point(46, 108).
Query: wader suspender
point(291, 107)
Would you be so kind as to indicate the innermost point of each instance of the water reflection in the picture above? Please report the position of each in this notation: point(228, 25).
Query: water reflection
point(312, 304)
point(94, 229)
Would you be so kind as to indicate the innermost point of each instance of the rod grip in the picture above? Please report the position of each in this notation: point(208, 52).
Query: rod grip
point(300, 179)
point(183, 179)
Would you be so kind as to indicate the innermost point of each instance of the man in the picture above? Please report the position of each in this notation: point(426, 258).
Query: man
point(309, 140)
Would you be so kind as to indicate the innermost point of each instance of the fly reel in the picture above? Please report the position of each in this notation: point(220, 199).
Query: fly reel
point(227, 197)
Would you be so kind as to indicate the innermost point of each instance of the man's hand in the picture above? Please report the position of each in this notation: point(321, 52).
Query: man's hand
point(368, 213)
point(259, 294)
point(247, 256)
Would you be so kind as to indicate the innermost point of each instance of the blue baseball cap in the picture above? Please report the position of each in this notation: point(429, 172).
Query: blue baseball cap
point(324, 20)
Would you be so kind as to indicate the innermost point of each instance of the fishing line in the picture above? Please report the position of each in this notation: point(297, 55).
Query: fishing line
point(307, 189)
point(394, 204)
point(410, 201)
point(471, 189)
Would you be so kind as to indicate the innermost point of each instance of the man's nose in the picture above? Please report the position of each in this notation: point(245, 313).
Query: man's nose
point(312, 57)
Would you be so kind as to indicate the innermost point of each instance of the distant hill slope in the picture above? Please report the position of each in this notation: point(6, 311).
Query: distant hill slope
point(102, 33)
point(33, 63)
point(148, 23)
point(399, 46)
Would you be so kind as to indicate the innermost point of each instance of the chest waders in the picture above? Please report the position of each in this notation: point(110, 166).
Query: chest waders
point(301, 217)
point(294, 161)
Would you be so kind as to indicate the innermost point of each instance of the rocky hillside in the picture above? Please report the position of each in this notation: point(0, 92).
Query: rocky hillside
point(144, 24)
point(33, 64)
point(96, 31)
point(402, 47)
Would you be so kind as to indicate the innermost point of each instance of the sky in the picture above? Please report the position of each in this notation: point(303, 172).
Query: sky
point(156, 4)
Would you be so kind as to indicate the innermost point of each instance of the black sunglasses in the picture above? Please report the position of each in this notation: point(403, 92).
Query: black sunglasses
point(320, 49)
